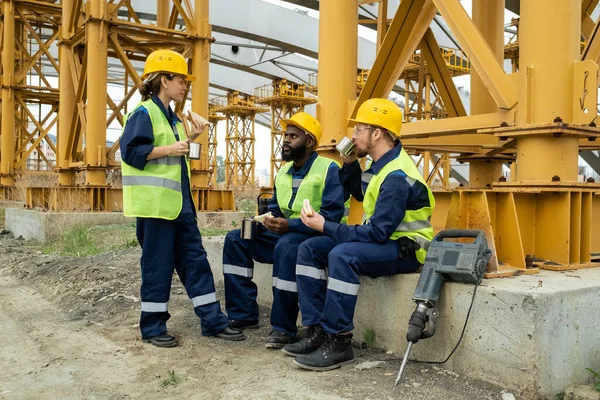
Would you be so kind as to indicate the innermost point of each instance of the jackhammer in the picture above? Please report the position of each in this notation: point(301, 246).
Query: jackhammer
point(445, 261)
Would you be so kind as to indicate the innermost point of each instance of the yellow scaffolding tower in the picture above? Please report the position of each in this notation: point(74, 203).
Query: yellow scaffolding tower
point(213, 117)
point(240, 111)
point(285, 99)
point(88, 34)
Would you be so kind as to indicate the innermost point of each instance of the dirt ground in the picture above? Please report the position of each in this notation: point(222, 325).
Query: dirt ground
point(69, 329)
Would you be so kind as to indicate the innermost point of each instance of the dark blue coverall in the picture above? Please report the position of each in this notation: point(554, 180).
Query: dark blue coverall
point(169, 245)
point(347, 251)
point(280, 250)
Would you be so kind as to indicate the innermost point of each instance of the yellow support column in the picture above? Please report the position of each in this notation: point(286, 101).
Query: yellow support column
point(200, 66)
point(488, 15)
point(7, 134)
point(546, 87)
point(338, 38)
point(338, 52)
point(67, 99)
point(163, 10)
point(97, 52)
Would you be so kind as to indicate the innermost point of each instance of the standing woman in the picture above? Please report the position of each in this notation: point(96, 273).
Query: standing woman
point(156, 190)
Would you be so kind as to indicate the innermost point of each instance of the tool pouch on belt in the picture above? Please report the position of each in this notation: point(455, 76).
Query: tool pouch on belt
point(407, 247)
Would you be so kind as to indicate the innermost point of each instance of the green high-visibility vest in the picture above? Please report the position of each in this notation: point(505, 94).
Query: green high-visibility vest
point(155, 191)
point(416, 224)
point(310, 187)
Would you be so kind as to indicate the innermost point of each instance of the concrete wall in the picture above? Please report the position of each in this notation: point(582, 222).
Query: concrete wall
point(37, 225)
point(533, 333)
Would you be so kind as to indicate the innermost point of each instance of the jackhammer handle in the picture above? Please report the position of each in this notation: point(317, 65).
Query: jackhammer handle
point(458, 233)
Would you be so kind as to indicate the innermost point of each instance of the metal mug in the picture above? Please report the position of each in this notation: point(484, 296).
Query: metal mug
point(248, 230)
point(345, 146)
point(195, 149)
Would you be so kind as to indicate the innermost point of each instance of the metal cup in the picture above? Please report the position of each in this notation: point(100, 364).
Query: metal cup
point(195, 149)
point(248, 230)
point(345, 146)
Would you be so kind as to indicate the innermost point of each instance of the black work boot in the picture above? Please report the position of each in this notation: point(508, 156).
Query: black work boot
point(335, 352)
point(231, 334)
point(241, 325)
point(277, 340)
point(316, 337)
point(162, 340)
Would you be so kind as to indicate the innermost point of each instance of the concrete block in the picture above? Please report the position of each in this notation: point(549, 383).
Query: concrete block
point(36, 225)
point(42, 226)
point(535, 333)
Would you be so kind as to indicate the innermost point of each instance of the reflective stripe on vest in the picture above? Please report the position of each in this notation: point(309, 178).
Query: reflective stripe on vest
point(416, 224)
point(310, 187)
point(155, 191)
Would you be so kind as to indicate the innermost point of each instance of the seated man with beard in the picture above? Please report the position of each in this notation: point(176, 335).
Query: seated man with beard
point(306, 175)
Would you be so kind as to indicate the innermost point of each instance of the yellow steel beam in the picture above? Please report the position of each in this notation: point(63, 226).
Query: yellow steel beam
point(592, 47)
point(200, 68)
point(481, 56)
point(162, 13)
point(338, 39)
point(78, 123)
point(456, 126)
point(189, 24)
point(7, 134)
point(408, 26)
point(38, 39)
point(441, 76)
point(38, 129)
point(33, 59)
point(95, 136)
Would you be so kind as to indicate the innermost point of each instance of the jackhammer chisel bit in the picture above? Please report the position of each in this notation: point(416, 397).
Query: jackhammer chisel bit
point(404, 360)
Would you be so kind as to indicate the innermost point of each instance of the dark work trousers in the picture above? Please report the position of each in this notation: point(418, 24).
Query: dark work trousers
point(327, 275)
point(238, 269)
point(168, 246)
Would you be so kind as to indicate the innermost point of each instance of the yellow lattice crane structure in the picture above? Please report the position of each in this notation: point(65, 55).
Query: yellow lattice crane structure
point(90, 36)
point(285, 99)
point(240, 111)
point(213, 117)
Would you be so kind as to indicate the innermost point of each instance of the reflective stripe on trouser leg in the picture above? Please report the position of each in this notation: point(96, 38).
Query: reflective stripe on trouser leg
point(238, 268)
point(240, 291)
point(311, 277)
point(284, 313)
point(156, 237)
point(195, 274)
point(346, 262)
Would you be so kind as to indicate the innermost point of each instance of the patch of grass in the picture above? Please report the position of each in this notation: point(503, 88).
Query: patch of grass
point(206, 232)
point(369, 337)
point(560, 396)
point(2, 214)
point(82, 241)
point(172, 380)
point(78, 242)
point(596, 383)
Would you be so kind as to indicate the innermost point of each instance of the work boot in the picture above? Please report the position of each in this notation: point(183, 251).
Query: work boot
point(278, 339)
point(162, 340)
point(241, 325)
point(335, 352)
point(316, 337)
point(231, 334)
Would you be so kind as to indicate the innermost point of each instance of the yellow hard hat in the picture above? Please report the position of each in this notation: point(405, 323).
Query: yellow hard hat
point(168, 61)
point(307, 123)
point(379, 112)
